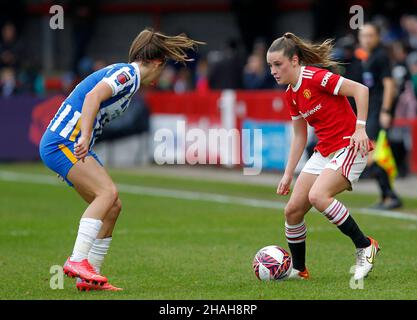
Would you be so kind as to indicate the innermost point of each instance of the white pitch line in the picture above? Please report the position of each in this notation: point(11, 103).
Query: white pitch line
point(191, 195)
point(199, 196)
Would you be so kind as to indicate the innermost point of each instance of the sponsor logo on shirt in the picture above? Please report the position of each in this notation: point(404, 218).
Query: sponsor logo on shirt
point(310, 112)
point(325, 79)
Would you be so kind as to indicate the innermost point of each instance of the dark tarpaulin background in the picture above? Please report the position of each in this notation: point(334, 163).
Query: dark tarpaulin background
point(16, 119)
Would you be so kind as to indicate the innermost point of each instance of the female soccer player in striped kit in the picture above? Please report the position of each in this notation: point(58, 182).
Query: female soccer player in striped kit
point(99, 98)
point(318, 97)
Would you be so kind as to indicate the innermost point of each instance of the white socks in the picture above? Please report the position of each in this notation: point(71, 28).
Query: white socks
point(336, 213)
point(295, 233)
point(87, 233)
point(98, 251)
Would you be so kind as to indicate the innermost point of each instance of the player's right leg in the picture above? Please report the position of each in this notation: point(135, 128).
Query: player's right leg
point(295, 229)
point(340, 174)
point(102, 243)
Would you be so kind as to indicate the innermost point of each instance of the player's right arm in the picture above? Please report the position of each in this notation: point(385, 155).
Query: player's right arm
point(101, 92)
point(298, 143)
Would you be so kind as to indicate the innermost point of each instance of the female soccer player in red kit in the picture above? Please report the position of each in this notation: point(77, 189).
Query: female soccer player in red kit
point(318, 97)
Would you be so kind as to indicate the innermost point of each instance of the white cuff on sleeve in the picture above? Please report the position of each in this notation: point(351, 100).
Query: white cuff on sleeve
point(338, 85)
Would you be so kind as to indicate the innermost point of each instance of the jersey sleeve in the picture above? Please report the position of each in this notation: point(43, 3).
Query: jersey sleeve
point(294, 112)
point(328, 81)
point(118, 78)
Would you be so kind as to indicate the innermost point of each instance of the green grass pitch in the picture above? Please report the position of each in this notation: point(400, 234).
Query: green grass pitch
point(167, 248)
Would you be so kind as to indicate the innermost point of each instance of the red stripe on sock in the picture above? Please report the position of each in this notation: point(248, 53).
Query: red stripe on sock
point(296, 239)
point(346, 213)
point(335, 209)
point(295, 229)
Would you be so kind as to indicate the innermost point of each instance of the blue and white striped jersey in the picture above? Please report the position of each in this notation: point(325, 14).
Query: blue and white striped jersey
point(123, 78)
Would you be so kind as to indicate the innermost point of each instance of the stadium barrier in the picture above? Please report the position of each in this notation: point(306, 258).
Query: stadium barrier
point(411, 124)
point(246, 109)
point(24, 118)
point(229, 110)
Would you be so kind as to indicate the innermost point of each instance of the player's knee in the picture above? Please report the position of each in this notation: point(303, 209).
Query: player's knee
point(110, 193)
point(316, 198)
point(291, 211)
point(117, 206)
point(114, 212)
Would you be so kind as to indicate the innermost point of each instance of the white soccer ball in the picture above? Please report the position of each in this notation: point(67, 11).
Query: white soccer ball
point(272, 263)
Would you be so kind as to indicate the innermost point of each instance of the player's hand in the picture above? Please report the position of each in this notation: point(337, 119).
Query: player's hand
point(360, 141)
point(284, 185)
point(385, 120)
point(81, 148)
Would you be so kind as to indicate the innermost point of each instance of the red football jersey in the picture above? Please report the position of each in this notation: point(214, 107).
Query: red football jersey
point(315, 98)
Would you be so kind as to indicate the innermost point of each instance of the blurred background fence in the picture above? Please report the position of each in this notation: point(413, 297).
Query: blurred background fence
point(227, 86)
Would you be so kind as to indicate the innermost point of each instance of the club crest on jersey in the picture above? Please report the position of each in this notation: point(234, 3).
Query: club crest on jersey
point(307, 93)
point(123, 77)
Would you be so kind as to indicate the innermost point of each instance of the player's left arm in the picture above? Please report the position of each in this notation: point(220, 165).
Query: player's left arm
point(360, 93)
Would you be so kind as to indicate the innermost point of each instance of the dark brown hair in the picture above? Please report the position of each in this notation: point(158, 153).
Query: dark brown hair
point(152, 45)
point(308, 53)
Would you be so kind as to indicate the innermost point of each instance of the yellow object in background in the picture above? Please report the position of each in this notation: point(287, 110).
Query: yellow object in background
point(383, 156)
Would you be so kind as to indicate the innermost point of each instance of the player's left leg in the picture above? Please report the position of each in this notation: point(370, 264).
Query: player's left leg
point(295, 227)
point(101, 244)
point(321, 196)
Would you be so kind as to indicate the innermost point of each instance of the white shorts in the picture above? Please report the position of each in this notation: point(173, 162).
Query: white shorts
point(352, 166)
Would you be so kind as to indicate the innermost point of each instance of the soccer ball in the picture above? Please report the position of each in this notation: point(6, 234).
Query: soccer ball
point(272, 263)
